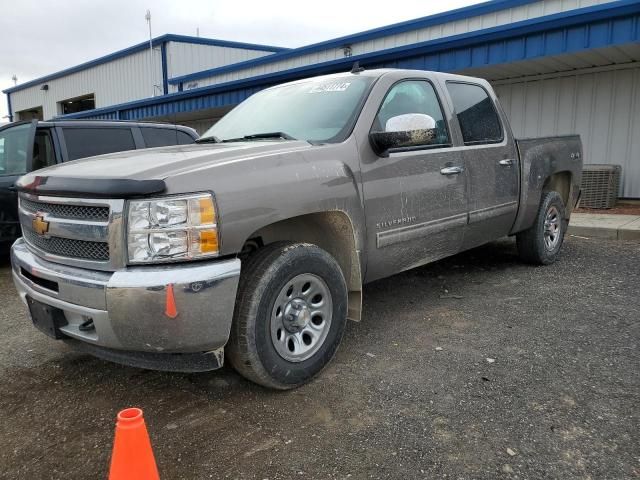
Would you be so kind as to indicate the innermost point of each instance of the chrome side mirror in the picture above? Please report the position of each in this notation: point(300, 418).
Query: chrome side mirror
point(408, 130)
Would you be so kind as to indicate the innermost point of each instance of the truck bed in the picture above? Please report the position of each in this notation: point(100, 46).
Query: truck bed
point(544, 160)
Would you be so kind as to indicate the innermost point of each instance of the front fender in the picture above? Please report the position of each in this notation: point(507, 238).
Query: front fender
point(256, 192)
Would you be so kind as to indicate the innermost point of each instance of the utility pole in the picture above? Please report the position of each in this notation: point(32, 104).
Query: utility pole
point(15, 79)
point(151, 60)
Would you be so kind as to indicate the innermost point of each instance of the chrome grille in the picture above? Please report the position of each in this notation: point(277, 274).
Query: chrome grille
point(61, 210)
point(81, 232)
point(67, 247)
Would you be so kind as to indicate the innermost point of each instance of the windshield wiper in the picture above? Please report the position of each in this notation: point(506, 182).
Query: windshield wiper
point(259, 136)
point(211, 139)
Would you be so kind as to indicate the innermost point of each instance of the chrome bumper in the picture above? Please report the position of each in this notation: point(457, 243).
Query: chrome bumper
point(128, 306)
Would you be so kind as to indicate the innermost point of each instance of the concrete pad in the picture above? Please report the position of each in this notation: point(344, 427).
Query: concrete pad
point(602, 220)
point(593, 232)
point(630, 231)
point(613, 227)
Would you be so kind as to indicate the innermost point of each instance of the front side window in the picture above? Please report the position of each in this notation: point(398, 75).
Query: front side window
point(87, 142)
point(320, 110)
point(14, 143)
point(476, 113)
point(163, 137)
point(406, 101)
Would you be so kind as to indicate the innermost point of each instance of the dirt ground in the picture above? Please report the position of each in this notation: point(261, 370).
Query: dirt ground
point(474, 367)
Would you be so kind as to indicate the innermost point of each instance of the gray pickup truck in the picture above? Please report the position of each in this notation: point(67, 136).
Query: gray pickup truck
point(253, 244)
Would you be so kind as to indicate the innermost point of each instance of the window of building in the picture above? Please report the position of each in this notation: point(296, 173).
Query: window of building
point(413, 96)
point(162, 137)
point(35, 113)
point(87, 142)
point(77, 104)
point(476, 113)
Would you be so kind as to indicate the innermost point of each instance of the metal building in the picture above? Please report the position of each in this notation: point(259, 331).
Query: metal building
point(138, 72)
point(559, 66)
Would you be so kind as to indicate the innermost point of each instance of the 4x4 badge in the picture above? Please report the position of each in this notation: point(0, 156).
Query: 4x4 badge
point(40, 226)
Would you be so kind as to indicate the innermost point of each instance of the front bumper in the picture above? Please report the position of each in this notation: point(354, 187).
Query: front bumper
point(128, 306)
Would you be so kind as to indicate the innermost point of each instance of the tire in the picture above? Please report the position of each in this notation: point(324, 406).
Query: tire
point(541, 244)
point(267, 344)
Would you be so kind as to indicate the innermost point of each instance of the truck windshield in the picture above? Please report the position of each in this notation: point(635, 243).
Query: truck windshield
point(318, 111)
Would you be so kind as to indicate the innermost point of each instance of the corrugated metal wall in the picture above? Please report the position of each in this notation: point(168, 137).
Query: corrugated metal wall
point(502, 17)
point(602, 106)
point(184, 58)
point(119, 81)
point(128, 78)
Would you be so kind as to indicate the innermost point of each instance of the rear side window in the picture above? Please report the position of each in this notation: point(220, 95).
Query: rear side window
point(476, 113)
point(162, 137)
point(86, 142)
point(43, 153)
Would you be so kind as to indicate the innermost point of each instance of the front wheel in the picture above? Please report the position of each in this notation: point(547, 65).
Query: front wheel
point(541, 243)
point(290, 315)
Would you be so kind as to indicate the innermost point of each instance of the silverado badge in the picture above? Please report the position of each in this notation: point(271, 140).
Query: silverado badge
point(40, 226)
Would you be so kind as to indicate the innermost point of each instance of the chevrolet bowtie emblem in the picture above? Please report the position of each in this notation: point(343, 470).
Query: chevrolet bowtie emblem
point(40, 226)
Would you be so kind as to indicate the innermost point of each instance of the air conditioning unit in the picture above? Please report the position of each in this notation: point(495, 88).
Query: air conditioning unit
point(600, 185)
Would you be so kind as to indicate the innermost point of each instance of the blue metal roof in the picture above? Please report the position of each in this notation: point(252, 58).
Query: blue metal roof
point(437, 19)
point(141, 47)
point(613, 23)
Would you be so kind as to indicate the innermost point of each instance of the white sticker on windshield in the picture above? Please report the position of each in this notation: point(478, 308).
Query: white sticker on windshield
point(330, 87)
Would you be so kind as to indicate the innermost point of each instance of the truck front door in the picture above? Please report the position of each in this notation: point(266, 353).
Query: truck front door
point(415, 197)
point(16, 151)
point(491, 160)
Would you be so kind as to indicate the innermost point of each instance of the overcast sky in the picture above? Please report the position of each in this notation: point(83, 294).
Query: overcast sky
point(38, 38)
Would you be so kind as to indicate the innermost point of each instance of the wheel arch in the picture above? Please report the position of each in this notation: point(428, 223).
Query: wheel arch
point(334, 232)
point(560, 182)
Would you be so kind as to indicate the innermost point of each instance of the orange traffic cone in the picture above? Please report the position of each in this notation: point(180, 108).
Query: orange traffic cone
point(132, 457)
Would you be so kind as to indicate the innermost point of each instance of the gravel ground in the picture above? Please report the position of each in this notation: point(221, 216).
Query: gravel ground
point(473, 367)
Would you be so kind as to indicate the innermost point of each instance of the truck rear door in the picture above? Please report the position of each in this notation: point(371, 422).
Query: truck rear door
point(491, 160)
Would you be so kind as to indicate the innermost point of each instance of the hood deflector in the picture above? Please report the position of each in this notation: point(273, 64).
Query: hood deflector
point(89, 187)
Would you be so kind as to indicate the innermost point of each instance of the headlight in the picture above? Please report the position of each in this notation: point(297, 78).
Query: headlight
point(172, 228)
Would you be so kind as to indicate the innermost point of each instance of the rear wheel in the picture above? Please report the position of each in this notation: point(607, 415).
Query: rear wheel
point(541, 243)
point(290, 315)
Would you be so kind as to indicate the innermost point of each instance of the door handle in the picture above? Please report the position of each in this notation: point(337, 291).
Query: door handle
point(13, 188)
point(451, 170)
point(506, 163)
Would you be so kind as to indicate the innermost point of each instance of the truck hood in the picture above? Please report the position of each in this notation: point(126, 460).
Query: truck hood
point(163, 162)
point(142, 172)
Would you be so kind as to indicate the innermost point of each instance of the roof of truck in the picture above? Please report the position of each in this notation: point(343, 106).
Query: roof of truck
point(379, 72)
point(108, 123)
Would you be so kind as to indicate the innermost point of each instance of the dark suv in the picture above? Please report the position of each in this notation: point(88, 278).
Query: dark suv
point(31, 145)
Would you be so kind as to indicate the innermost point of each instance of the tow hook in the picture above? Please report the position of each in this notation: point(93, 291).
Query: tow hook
point(87, 325)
